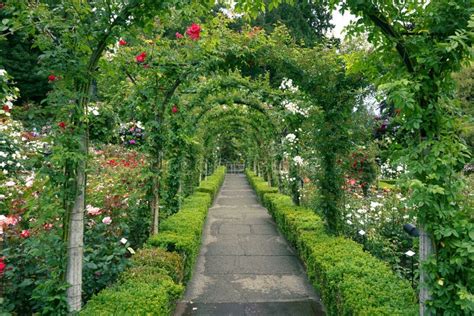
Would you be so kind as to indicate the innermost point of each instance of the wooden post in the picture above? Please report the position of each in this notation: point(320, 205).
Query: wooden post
point(426, 249)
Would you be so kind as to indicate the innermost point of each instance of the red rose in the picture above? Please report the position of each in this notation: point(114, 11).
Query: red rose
point(6, 108)
point(62, 125)
point(122, 42)
point(174, 109)
point(52, 78)
point(25, 233)
point(2, 266)
point(193, 31)
point(179, 35)
point(140, 58)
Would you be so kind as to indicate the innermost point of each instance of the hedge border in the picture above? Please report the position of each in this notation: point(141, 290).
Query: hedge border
point(155, 280)
point(350, 280)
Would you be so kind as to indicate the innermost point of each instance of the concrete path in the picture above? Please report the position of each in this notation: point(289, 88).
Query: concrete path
point(245, 266)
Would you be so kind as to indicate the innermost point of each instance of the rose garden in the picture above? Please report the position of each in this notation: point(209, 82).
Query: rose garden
point(145, 143)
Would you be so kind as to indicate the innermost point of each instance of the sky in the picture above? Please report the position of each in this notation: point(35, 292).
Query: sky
point(340, 21)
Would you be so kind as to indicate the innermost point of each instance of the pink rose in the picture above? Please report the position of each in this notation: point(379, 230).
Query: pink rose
point(107, 220)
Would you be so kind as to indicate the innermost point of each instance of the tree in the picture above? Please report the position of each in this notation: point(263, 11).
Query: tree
point(306, 20)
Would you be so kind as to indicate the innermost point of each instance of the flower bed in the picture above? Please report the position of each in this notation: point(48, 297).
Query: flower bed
point(154, 282)
point(351, 281)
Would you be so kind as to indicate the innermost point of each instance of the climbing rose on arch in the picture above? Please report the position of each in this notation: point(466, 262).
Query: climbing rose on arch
point(141, 58)
point(194, 31)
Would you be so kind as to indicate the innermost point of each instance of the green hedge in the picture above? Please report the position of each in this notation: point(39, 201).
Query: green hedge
point(212, 184)
point(351, 281)
point(154, 281)
point(260, 186)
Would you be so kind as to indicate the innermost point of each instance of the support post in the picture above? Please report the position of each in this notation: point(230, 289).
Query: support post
point(426, 249)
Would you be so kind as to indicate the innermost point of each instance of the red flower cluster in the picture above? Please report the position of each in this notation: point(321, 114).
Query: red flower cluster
point(52, 78)
point(62, 125)
point(140, 58)
point(2, 266)
point(122, 42)
point(6, 108)
point(179, 35)
point(194, 31)
point(174, 109)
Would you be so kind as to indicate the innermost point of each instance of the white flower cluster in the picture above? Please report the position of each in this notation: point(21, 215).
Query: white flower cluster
point(286, 177)
point(293, 108)
point(93, 109)
point(287, 84)
point(291, 138)
point(298, 160)
point(11, 93)
point(388, 171)
point(16, 147)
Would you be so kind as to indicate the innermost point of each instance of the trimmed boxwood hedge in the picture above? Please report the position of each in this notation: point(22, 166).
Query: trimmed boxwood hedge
point(260, 186)
point(350, 280)
point(153, 283)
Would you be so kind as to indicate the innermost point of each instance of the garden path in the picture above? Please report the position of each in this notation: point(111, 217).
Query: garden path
point(245, 266)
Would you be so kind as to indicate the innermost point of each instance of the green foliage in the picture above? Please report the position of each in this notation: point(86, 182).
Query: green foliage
point(21, 61)
point(104, 257)
point(34, 272)
point(350, 280)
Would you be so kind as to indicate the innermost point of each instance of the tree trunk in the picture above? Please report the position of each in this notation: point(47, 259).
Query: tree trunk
point(426, 249)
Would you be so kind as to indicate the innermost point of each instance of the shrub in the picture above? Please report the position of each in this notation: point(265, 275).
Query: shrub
point(351, 281)
point(144, 293)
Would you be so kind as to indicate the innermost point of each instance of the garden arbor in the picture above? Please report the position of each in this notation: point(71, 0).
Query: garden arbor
point(193, 92)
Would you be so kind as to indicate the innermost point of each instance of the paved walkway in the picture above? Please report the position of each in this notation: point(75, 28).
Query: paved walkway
point(245, 266)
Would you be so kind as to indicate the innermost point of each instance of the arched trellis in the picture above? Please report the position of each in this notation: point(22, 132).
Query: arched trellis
point(239, 128)
point(220, 117)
